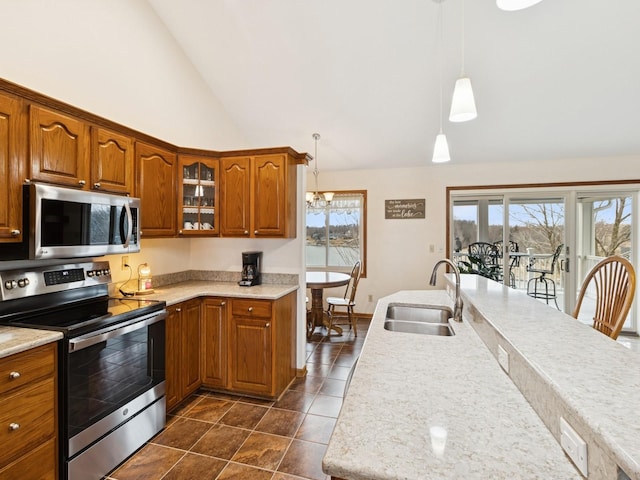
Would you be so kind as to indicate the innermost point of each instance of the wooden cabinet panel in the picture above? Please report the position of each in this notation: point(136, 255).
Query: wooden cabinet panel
point(250, 350)
point(28, 419)
point(156, 184)
point(112, 157)
point(182, 372)
point(258, 196)
point(59, 148)
point(12, 162)
point(214, 342)
point(173, 344)
point(28, 414)
point(40, 463)
point(191, 378)
point(235, 198)
point(269, 199)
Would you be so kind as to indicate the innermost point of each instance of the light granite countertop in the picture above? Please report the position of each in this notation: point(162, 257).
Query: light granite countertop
point(16, 340)
point(565, 368)
point(180, 292)
point(428, 407)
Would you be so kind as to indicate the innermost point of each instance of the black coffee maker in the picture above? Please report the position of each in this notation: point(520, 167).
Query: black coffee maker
point(250, 269)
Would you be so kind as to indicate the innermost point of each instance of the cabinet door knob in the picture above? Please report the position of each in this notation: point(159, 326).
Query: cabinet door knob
point(250, 309)
point(267, 325)
point(222, 304)
point(246, 232)
point(178, 309)
point(14, 426)
point(255, 232)
point(14, 375)
point(96, 185)
point(15, 233)
point(82, 182)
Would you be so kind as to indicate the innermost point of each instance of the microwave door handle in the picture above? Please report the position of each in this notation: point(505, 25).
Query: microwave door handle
point(129, 224)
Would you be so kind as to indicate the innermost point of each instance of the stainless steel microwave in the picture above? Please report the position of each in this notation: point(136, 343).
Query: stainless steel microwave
point(62, 222)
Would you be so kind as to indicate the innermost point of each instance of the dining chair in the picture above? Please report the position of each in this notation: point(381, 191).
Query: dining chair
point(541, 286)
point(347, 302)
point(614, 280)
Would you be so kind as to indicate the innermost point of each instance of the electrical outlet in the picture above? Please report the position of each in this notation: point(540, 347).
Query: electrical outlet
point(125, 262)
point(575, 446)
point(503, 358)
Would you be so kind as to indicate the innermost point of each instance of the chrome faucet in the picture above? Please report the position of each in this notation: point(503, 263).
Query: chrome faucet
point(457, 311)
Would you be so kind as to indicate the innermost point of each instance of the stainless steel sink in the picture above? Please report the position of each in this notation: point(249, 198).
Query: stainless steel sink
point(418, 313)
point(423, 328)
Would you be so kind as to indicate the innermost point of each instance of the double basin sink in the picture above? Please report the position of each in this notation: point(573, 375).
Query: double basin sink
point(423, 320)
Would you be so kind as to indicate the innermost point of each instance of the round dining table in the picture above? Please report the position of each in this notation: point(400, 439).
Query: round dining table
point(317, 282)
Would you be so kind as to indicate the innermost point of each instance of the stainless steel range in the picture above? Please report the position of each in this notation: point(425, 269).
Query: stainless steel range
point(111, 360)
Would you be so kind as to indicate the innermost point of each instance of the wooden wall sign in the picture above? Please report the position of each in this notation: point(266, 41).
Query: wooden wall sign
point(410, 208)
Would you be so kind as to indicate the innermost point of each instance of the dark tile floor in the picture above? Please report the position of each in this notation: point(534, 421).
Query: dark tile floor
point(218, 436)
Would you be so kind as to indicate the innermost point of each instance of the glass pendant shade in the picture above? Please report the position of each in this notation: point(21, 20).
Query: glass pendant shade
point(441, 149)
point(463, 105)
point(328, 196)
point(512, 5)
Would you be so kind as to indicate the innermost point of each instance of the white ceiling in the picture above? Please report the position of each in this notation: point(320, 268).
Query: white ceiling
point(558, 80)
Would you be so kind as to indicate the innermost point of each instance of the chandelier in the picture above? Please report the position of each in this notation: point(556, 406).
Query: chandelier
point(315, 199)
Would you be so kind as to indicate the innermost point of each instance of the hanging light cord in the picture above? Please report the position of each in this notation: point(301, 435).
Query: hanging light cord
point(440, 42)
point(462, 65)
point(316, 136)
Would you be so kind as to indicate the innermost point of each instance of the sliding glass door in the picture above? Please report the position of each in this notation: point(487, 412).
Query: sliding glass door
point(546, 242)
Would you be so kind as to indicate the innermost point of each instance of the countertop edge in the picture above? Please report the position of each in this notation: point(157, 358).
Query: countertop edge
point(16, 339)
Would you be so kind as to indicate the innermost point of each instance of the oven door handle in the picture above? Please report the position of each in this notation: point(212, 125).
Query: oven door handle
point(76, 344)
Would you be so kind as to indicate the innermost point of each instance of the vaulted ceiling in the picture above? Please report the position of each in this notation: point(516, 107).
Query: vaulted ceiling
point(558, 80)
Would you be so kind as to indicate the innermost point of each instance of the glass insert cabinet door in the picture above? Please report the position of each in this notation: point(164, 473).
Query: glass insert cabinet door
point(199, 196)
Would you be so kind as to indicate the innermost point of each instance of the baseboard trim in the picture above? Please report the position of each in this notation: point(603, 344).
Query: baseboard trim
point(301, 372)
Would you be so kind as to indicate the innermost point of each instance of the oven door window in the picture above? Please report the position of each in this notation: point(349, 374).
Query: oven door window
point(106, 375)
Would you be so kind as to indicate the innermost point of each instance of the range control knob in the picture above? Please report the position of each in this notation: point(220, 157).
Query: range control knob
point(10, 284)
point(89, 273)
point(106, 271)
point(23, 282)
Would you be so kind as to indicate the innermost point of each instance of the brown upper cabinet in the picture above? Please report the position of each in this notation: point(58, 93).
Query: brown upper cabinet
point(258, 196)
point(198, 209)
point(156, 187)
point(12, 161)
point(59, 147)
point(67, 151)
point(112, 159)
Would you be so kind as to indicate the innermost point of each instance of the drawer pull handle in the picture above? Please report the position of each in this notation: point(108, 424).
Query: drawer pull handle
point(14, 426)
point(14, 375)
point(250, 309)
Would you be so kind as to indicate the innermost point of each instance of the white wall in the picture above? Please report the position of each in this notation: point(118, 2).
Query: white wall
point(398, 256)
point(115, 59)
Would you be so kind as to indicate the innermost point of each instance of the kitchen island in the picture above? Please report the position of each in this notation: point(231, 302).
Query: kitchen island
point(431, 407)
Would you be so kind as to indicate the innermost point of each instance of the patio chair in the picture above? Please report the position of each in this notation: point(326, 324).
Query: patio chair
point(483, 260)
point(541, 286)
point(514, 260)
point(615, 283)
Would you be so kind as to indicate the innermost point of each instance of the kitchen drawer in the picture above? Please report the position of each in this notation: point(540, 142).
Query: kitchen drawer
point(251, 308)
point(40, 464)
point(22, 368)
point(32, 412)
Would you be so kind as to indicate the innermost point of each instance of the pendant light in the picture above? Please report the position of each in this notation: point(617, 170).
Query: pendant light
point(513, 5)
point(313, 198)
point(463, 105)
point(441, 147)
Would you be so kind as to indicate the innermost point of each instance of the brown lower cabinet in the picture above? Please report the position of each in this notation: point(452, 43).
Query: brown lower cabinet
point(182, 351)
point(28, 413)
point(246, 346)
